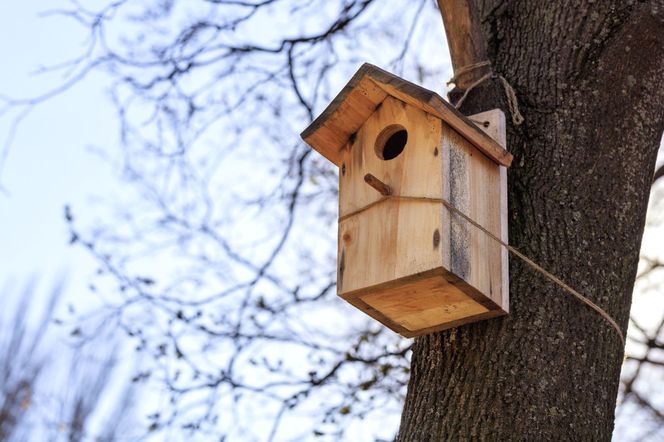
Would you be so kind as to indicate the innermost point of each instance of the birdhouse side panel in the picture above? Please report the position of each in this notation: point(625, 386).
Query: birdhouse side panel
point(476, 186)
point(394, 238)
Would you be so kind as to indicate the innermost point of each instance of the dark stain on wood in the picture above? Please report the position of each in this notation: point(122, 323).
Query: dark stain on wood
point(342, 267)
point(459, 198)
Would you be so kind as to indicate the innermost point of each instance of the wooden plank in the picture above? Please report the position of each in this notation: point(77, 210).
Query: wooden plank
point(407, 289)
point(333, 129)
point(454, 324)
point(459, 196)
point(475, 188)
point(416, 171)
point(493, 123)
point(330, 132)
point(378, 316)
point(394, 238)
point(425, 303)
point(387, 242)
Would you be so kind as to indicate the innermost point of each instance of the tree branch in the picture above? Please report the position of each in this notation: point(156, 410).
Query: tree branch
point(465, 38)
point(659, 172)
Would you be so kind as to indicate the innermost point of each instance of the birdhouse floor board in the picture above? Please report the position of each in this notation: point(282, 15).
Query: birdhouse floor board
point(423, 307)
point(418, 304)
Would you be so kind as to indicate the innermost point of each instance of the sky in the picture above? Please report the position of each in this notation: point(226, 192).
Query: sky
point(50, 162)
point(53, 160)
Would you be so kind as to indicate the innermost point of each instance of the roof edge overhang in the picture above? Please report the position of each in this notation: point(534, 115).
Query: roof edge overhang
point(331, 131)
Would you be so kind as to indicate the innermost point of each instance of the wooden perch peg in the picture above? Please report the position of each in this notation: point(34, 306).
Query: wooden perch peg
point(377, 184)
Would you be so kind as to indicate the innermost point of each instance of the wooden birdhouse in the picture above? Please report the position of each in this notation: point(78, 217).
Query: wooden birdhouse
point(404, 257)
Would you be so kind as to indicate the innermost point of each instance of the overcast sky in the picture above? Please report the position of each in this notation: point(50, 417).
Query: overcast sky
point(50, 161)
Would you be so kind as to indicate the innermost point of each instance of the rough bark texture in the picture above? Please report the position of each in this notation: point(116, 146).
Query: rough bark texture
point(590, 79)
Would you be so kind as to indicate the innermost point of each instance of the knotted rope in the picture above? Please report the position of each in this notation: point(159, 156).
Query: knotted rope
point(386, 192)
point(512, 101)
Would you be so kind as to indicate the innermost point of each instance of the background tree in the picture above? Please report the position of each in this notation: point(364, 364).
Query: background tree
point(639, 413)
point(220, 264)
point(54, 392)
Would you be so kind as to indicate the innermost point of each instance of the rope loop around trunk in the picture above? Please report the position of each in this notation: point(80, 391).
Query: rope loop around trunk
point(512, 102)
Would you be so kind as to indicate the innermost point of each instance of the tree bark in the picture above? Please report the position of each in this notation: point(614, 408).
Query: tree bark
point(589, 76)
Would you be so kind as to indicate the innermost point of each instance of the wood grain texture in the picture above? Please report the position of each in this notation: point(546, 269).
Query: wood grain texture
point(394, 238)
point(408, 263)
point(493, 123)
point(424, 303)
point(330, 133)
point(475, 189)
point(427, 304)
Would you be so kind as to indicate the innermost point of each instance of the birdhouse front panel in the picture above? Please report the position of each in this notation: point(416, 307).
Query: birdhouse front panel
point(383, 243)
point(403, 257)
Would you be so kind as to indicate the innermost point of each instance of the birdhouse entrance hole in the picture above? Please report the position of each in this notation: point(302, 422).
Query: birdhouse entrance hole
point(391, 142)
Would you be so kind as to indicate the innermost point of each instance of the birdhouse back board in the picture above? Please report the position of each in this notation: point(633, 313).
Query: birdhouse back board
point(412, 264)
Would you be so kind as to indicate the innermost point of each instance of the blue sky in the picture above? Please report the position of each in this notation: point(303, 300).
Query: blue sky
point(50, 161)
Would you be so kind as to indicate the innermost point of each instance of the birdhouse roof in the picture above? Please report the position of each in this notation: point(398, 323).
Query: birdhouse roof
point(329, 133)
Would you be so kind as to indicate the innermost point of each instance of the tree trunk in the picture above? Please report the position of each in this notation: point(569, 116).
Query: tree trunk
point(589, 78)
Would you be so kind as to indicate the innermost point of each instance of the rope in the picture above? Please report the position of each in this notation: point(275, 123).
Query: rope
point(512, 101)
point(469, 68)
point(511, 249)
